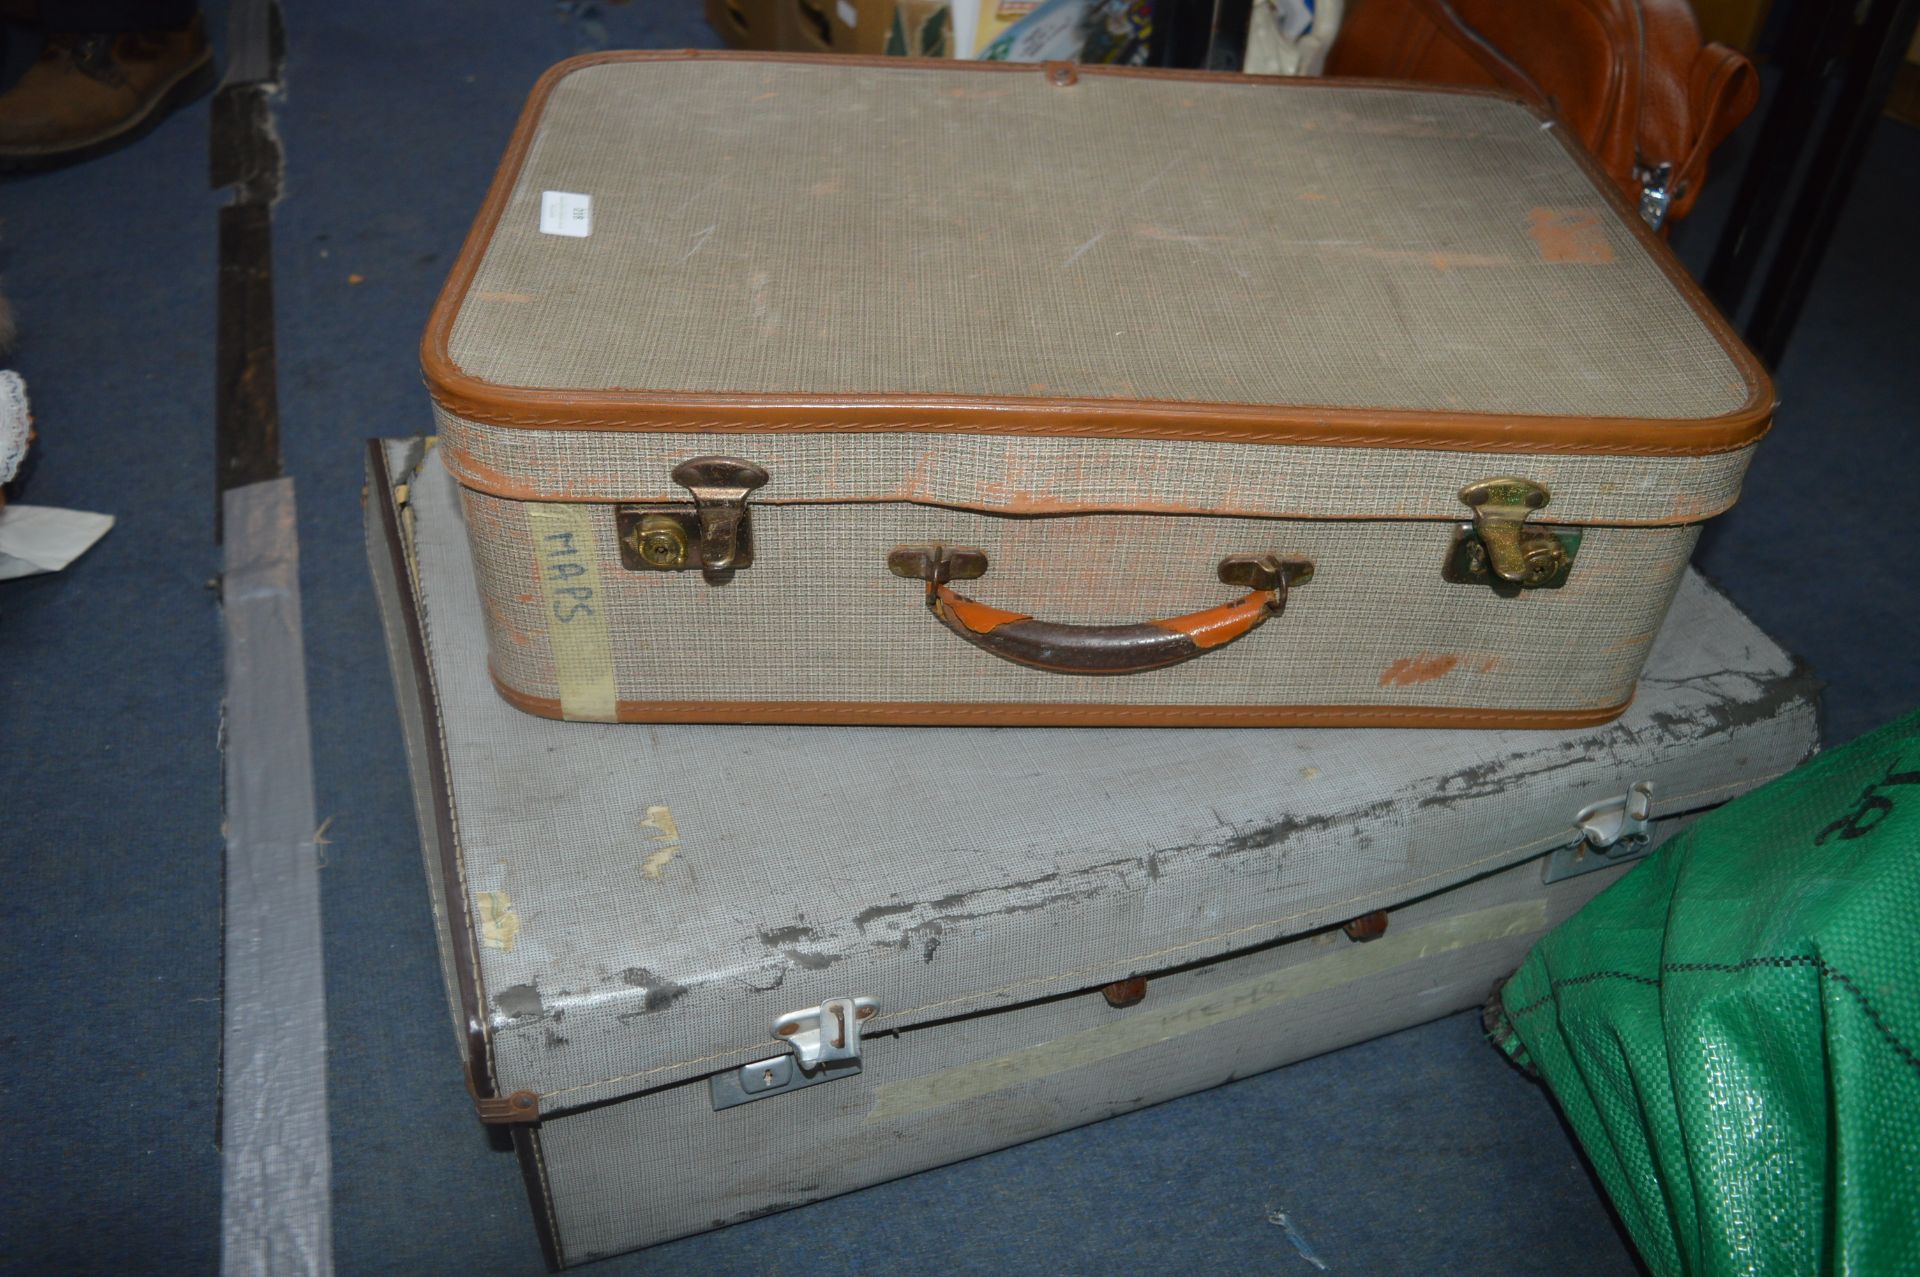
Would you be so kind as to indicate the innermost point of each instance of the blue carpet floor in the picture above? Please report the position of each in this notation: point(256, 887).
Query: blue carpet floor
point(1418, 1153)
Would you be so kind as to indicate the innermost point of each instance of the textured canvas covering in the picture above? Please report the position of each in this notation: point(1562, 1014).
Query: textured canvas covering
point(783, 227)
point(639, 904)
point(819, 616)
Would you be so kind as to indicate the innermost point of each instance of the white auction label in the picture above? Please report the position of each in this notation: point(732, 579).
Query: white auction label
point(564, 213)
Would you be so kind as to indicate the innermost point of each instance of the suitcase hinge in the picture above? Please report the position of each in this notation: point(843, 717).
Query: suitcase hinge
point(715, 536)
point(1368, 926)
point(1500, 548)
point(826, 1045)
point(1619, 829)
point(521, 1106)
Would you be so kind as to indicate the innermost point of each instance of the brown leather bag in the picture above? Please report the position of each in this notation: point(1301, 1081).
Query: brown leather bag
point(1631, 77)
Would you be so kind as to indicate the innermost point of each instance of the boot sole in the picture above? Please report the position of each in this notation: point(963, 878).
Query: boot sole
point(194, 83)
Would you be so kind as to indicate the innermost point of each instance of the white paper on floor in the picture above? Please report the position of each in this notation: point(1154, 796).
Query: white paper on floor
point(38, 538)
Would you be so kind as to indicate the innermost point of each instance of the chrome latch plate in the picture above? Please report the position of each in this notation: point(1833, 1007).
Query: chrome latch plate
point(826, 1045)
point(1612, 832)
point(777, 1076)
point(830, 1031)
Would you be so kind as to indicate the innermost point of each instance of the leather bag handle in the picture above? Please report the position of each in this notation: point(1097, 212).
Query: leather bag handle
point(1722, 90)
point(1097, 649)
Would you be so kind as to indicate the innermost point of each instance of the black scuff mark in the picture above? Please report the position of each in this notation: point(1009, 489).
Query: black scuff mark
point(952, 909)
point(867, 917)
point(555, 1041)
point(1491, 779)
point(1001, 911)
point(779, 978)
point(779, 936)
point(1725, 713)
point(812, 961)
point(1286, 828)
point(661, 992)
point(772, 1208)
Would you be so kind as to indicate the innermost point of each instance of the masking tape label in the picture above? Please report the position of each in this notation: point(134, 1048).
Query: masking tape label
point(568, 561)
point(1147, 1028)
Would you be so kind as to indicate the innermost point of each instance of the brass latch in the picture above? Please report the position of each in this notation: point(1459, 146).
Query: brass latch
point(1500, 548)
point(715, 536)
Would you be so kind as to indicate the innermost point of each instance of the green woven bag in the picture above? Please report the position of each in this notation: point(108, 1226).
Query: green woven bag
point(1732, 1027)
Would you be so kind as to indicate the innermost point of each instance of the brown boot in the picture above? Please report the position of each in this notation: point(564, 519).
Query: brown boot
point(90, 93)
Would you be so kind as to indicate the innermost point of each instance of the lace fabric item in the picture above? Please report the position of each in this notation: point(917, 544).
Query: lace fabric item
point(16, 423)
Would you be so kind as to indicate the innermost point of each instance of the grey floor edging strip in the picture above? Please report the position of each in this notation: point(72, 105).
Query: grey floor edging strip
point(276, 1199)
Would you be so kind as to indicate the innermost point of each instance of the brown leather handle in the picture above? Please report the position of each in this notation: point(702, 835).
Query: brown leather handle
point(1098, 649)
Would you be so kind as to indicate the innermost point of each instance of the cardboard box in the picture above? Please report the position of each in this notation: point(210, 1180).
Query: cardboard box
point(746, 24)
point(834, 26)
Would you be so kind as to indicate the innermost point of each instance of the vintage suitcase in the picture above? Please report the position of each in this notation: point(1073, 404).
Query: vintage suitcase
point(737, 343)
point(642, 929)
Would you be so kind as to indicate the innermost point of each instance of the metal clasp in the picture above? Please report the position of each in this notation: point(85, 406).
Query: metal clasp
point(1619, 826)
point(1500, 548)
point(714, 536)
point(1619, 829)
point(826, 1045)
point(830, 1031)
point(720, 486)
point(776, 1076)
point(938, 564)
point(1656, 193)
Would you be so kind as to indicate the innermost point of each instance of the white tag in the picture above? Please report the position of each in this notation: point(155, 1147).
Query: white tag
point(564, 213)
point(848, 14)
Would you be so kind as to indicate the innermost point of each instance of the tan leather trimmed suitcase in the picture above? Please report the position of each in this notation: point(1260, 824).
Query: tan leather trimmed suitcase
point(861, 391)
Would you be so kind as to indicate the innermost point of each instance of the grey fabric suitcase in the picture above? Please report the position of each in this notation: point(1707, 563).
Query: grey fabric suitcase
point(981, 935)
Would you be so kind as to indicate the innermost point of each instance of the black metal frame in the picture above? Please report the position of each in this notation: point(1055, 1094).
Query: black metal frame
point(1820, 40)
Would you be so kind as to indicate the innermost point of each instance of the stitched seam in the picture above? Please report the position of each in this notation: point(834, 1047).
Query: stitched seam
point(1592, 977)
point(1779, 962)
point(1097, 429)
point(546, 1196)
point(1521, 850)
